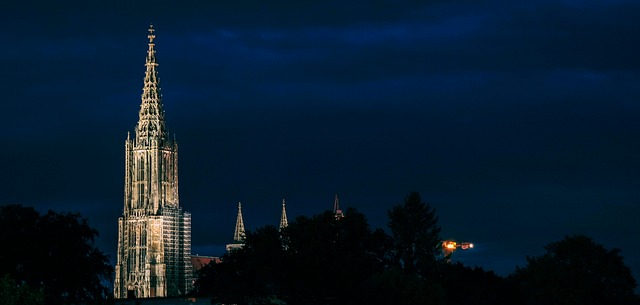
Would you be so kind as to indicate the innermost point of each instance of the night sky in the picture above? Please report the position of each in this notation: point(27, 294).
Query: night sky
point(518, 122)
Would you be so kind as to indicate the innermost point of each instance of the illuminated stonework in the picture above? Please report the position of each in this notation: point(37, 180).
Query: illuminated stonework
point(239, 233)
point(154, 234)
point(283, 217)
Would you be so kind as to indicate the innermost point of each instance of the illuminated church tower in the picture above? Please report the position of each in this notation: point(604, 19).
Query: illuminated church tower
point(154, 234)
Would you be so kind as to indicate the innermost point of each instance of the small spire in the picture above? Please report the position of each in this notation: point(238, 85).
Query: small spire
point(283, 219)
point(337, 212)
point(239, 234)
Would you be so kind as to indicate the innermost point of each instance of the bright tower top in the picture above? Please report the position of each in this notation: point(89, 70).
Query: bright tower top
point(151, 122)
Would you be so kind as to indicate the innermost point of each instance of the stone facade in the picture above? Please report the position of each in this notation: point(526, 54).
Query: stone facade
point(154, 233)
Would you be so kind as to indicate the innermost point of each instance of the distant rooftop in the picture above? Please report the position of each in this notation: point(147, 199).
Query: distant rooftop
point(199, 261)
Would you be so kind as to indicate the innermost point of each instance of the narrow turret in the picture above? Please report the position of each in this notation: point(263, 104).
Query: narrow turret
point(283, 218)
point(337, 212)
point(239, 233)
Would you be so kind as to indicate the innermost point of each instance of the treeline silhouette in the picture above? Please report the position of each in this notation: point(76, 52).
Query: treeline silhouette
point(50, 259)
point(327, 260)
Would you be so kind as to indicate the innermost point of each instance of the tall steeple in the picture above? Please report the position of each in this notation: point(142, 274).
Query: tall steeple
point(283, 218)
point(151, 117)
point(154, 233)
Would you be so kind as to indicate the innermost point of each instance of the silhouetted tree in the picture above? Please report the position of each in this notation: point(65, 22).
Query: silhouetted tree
point(227, 282)
point(575, 270)
point(267, 260)
point(54, 252)
point(330, 258)
point(324, 260)
point(206, 280)
point(12, 293)
point(474, 286)
point(252, 273)
point(416, 236)
point(394, 286)
point(315, 260)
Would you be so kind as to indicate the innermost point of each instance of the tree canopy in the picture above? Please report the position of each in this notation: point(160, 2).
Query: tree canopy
point(416, 235)
point(576, 270)
point(12, 293)
point(54, 252)
point(324, 260)
point(327, 260)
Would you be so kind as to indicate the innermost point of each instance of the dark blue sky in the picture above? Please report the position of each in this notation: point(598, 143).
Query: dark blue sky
point(517, 122)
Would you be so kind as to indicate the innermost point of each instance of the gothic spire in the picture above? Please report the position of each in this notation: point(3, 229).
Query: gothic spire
point(283, 219)
point(151, 121)
point(238, 235)
point(337, 212)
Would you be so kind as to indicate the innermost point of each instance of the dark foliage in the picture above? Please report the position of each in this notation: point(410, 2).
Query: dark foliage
point(12, 293)
point(317, 260)
point(576, 270)
point(328, 258)
point(474, 286)
point(252, 272)
point(394, 286)
point(322, 260)
point(54, 252)
point(416, 236)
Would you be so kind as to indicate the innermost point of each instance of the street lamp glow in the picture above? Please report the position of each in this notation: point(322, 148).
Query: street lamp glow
point(449, 246)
